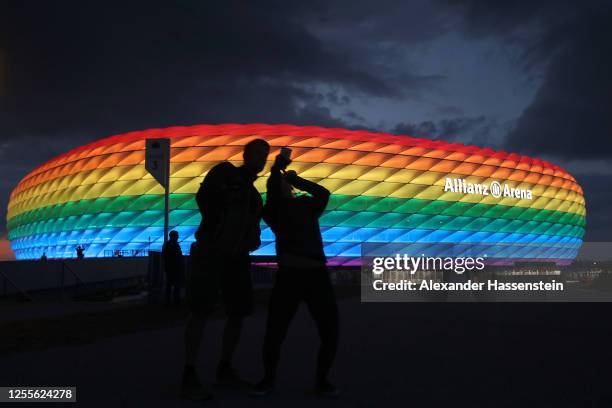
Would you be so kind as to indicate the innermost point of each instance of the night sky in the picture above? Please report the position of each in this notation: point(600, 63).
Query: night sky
point(534, 77)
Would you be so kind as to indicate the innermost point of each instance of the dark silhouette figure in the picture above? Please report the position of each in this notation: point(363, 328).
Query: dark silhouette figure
point(80, 252)
point(231, 212)
point(174, 268)
point(302, 273)
point(43, 256)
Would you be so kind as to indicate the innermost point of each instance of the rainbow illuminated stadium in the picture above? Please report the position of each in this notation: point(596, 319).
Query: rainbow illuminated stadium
point(385, 188)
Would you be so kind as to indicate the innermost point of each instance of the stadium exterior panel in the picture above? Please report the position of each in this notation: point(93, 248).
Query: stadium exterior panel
point(385, 188)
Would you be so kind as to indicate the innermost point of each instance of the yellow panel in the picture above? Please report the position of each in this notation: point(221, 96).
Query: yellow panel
point(378, 174)
point(404, 176)
point(320, 170)
point(428, 178)
point(356, 187)
point(112, 174)
point(382, 189)
point(407, 191)
point(332, 184)
point(350, 172)
point(429, 193)
point(133, 173)
point(185, 185)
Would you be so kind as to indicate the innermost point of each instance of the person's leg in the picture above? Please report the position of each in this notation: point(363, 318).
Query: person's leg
point(168, 289)
point(231, 336)
point(193, 338)
point(284, 302)
point(177, 294)
point(191, 387)
point(201, 298)
point(321, 301)
point(237, 290)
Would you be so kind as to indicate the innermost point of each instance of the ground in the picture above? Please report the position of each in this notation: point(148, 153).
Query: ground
point(390, 355)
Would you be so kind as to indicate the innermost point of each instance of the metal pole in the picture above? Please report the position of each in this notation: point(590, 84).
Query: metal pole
point(167, 198)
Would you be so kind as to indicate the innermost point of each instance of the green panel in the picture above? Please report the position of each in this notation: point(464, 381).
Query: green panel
point(357, 203)
point(387, 204)
point(528, 214)
point(459, 223)
point(360, 219)
point(188, 204)
point(478, 210)
point(330, 219)
point(512, 226)
point(491, 211)
point(513, 212)
point(122, 219)
point(147, 218)
point(100, 220)
point(436, 207)
point(412, 206)
point(194, 220)
point(146, 202)
point(496, 225)
point(414, 221)
point(85, 221)
point(336, 201)
point(178, 217)
point(457, 208)
point(70, 222)
point(381, 213)
point(177, 200)
point(389, 220)
point(528, 227)
point(479, 224)
point(119, 204)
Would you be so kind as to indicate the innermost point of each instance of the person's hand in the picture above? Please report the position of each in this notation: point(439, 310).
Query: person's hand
point(281, 162)
point(290, 176)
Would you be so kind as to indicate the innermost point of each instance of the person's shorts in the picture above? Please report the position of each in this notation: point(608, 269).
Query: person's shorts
point(214, 277)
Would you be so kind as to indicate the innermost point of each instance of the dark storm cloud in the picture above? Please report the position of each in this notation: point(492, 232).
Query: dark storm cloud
point(598, 198)
point(572, 113)
point(570, 116)
point(467, 130)
point(74, 71)
point(80, 66)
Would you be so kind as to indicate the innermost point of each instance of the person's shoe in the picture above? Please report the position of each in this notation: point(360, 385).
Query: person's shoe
point(191, 388)
point(326, 389)
point(262, 388)
point(228, 377)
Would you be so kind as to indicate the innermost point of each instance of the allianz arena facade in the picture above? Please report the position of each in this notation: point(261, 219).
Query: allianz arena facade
point(385, 188)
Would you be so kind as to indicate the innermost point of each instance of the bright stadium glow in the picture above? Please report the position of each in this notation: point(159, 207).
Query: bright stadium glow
point(385, 188)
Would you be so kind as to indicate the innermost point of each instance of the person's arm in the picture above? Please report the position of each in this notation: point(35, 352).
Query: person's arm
point(320, 194)
point(273, 194)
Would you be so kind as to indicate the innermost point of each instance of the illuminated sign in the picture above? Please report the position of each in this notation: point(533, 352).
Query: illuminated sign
point(494, 189)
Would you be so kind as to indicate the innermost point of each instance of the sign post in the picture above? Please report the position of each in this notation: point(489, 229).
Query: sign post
point(157, 162)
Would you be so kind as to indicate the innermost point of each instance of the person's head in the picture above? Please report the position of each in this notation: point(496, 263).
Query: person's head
point(255, 155)
point(174, 235)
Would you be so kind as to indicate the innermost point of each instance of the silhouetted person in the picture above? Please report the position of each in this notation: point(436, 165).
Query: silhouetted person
point(43, 256)
point(80, 252)
point(231, 212)
point(174, 268)
point(302, 273)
